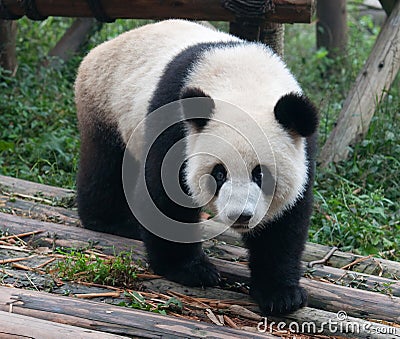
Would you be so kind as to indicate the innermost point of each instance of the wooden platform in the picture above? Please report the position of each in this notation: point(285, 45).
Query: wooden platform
point(350, 296)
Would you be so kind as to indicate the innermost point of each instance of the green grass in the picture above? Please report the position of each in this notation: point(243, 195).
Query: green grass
point(357, 201)
point(114, 271)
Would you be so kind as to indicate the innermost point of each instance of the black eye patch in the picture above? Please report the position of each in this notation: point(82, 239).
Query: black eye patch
point(262, 176)
point(219, 174)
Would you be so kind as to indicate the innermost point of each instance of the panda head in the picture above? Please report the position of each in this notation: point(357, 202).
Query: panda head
point(246, 170)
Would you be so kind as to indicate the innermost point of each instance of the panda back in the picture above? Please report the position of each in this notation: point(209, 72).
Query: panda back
point(118, 78)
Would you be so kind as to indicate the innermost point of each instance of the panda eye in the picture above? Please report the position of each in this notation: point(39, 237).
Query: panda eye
point(219, 174)
point(257, 175)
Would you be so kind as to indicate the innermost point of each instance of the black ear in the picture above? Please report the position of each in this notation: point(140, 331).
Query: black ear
point(296, 113)
point(197, 107)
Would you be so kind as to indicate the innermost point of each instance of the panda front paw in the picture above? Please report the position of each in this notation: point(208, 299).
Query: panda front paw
point(279, 300)
point(196, 272)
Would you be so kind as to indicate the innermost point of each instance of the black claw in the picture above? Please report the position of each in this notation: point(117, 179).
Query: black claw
point(279, 300)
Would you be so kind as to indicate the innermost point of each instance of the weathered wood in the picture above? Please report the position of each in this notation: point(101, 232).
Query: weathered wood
point(356, 328)
point(330, 297)
point(322, 295)
point(8, 35)
point(220, 296)
point(312, 252)
point(332, 274)
point(61, 234)
point(11, 185)
point(374, 266)
point(246, 29)
point(273, 36)
point(285, 10)
point(34, 210)
point(126, 321)
point(332, 26)
point(12, 324)
point(75, 37)
point(369, 89)
point(355, 279)
point(356, 303)
point(317, 321)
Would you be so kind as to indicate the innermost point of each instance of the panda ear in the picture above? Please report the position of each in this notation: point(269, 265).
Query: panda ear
point(197, 107)
point(296, 113)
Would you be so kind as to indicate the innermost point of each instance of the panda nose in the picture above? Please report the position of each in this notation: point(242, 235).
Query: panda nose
point(241, 219)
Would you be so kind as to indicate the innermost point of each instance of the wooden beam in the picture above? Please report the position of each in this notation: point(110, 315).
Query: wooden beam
point(332, 26)
point(288, 11)
point(11, 185)
point(19, 326)
point(117, 319)
point(8, 35)
point(369, 89)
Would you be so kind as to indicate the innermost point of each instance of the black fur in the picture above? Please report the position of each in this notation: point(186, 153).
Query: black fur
point(296, 113)
point(101, 201)
point(197, 112)
point(275, 252)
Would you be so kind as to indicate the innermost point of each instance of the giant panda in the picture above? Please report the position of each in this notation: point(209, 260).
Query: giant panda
point(257, 179)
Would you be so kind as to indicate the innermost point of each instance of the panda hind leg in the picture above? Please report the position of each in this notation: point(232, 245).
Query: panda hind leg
point(101, 200)
point(184, 263)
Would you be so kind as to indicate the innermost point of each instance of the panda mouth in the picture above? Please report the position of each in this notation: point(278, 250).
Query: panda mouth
point(240, 227)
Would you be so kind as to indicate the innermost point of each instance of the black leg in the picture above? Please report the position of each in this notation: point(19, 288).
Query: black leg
point(101, 201)
point(275, 253)
point(186, 264)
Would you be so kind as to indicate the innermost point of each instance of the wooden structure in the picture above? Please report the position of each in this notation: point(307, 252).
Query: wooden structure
point(247, 18)
point(371, 85)
point(365, 288)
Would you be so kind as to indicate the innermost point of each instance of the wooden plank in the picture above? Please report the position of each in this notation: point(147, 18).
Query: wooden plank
point(12, 324)
point(309, 319)
point(335, 275)
point(330, 297)
point(322, 295)
point(139, 323)
point(8, 36)
point(11, 185)
point(312, 252)
point(288, 11)
point(306, 316)
point(34, 210)
point(369, 89)
point(332, 26)
point(72, 235)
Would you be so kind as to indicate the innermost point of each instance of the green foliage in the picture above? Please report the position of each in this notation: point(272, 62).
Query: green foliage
point(138, 302)
point(115, 271)
point(357, 200)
